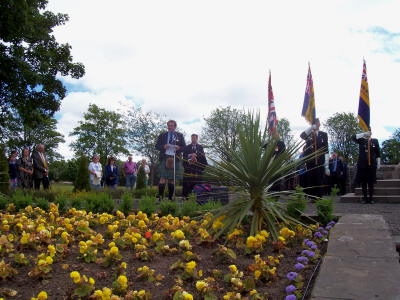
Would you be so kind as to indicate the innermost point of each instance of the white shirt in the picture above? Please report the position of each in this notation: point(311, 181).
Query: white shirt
point(95, 167)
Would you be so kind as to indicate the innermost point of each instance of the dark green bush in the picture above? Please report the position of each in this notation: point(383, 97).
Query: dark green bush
point(81, 182)
point(141, 179)
point(78, 202)
point(50, 196)
point(21, 199)
point(126, 205)
point(324, 210)
point(297, 204)
point(139, 193)
point(3, 201)
point(147, 204)
point(42, 203)
point(62, 201)
point(99, 203)
point(4, 178)
point(168, 207)
point(189, 208)
point(209, 206)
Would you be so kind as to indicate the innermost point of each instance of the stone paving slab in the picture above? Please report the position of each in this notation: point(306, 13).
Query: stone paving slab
point(361, 262)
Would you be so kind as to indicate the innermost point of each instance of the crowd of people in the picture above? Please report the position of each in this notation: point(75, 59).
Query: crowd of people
point(186, 163)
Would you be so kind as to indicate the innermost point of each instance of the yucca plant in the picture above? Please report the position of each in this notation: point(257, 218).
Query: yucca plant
point(254, 168)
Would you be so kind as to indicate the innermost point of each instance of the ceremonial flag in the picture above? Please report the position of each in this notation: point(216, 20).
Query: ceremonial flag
point(272, 120)
point(308, 111)
point(363, 103)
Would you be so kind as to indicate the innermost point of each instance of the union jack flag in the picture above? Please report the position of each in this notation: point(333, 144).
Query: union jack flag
point(272, 120)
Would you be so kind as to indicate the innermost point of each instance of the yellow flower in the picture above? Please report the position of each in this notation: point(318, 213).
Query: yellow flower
point(49, 260)
point(52, 250)
point(257, 274)
point(141, 293)
point(41, 262)
point(123, 265)
point(233, 268)
point(114, 250)
point(253, 292)
point(178, 234)
point(190, 266)
point(42, 295)
point(252, 242)
point(185, 244)
point(281, 239)
point(122, 281)
point(272, 271)
point(75, 276)
point(91, 281)
point(201, 285)
point(187, 296)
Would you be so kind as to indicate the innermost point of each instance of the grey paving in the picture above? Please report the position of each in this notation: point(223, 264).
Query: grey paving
point(361, 261)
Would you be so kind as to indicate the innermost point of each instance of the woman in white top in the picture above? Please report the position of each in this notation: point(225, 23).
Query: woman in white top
point(96, 172)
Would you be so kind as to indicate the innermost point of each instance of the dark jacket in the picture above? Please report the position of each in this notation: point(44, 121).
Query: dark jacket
point(313, 143)
point(111, 176)
point(12, 169)
point(339, 167)
point(197, 167)
point(39, 167)
point(163, 140)
point(279, 148)
point(375, 152)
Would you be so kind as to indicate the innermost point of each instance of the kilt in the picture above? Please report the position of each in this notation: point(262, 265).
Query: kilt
point(169, 173)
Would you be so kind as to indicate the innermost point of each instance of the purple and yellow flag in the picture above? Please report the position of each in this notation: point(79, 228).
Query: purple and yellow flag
point(308, 111)
point(272, 120)
point(363, 103)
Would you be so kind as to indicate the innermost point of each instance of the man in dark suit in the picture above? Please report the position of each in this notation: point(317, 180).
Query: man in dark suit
point(316, 140)
point(369, 160)
point(40, 168)
point(335, 170)
point(171, 145)
point(194, 162)
point(343, 178)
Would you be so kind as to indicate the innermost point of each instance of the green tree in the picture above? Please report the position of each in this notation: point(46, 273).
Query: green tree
point(341, 127)
point(220, 133)
point(81, 182)
point(30, 134)
point(102, 132)
point(143, 130)
point(32, 61)
point(63, 170)
point(391, 149)
point(285, 132)
point(3, 171)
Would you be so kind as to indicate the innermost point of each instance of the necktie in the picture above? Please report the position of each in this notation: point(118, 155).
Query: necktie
point(170, 138)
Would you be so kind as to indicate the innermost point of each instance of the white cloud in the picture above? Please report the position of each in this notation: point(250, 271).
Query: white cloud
point(184, 58)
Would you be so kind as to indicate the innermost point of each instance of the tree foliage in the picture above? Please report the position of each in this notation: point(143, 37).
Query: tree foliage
point(341, 127)
point(285, 132)
point(31, 60)
point(81, 182)
point(220, 133)
point(3, 171)
point(30, 134)
point(102, 132)
point(63, 170)
point(391, 149)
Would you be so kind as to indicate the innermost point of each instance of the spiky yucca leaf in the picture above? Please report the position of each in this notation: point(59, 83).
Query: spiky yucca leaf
point(254, 169)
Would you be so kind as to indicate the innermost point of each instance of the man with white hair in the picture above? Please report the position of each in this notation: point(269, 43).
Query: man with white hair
point(369, 160)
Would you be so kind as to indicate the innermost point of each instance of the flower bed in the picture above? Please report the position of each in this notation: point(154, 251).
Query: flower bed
point(103, 256)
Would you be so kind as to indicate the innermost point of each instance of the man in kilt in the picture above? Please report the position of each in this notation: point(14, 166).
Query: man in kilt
point(171, 145)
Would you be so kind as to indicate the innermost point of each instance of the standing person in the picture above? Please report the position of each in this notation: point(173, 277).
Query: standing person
point(146, 169)
point(316, 140)
point(129, 169)
point(335, 170)
point(40, 168)
point(343, 177)
point(25, 170)
point(369, 160)
point(170, 144)
point(111, 173)
point(95, 172)
point(194, 162)
point(13, 169)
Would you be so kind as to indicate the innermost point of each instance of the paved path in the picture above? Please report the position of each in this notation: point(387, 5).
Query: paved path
point(390, 212)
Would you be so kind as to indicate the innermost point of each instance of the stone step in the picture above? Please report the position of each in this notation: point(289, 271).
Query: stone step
point(388, 183)
point(353, 198)
point(386, 191)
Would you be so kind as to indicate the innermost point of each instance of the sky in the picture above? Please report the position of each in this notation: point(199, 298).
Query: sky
point(185, 58)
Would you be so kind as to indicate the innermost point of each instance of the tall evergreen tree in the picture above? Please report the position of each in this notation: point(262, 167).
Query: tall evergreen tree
point(4, 178)
point(81, 182)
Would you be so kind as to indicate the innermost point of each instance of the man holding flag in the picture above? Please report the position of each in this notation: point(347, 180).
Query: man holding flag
point(316, 140)
point(369, 151)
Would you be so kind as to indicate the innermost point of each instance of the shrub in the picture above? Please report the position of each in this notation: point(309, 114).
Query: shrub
point(139, 193)
point(99, 203)
point(62, 201)
point(21, 199)
point(324, 210)
point(141, 179)
point(147, 204)
point(78, 202)
point(297, 203)
point(4, 178)
point(3, 201)
point(189, 208)
point(46, 194)
point(210, 205)
point(168, 207)
point(81, 182)
point(42, 203)
point(126, 203)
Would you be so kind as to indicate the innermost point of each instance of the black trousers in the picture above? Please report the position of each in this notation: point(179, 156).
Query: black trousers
point(45, 182)
point(315, 181)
